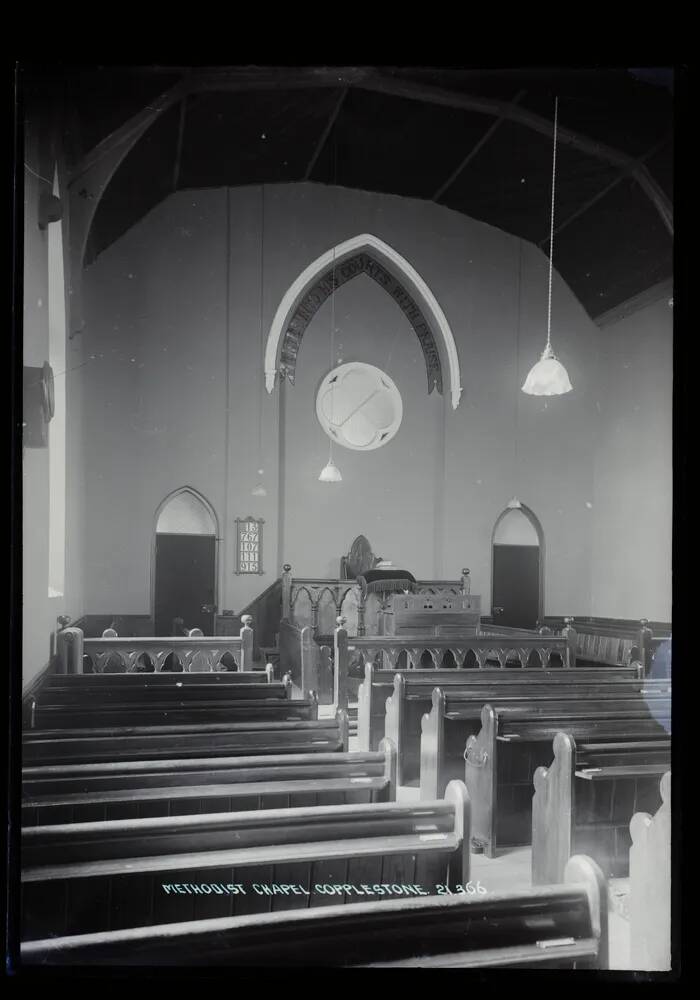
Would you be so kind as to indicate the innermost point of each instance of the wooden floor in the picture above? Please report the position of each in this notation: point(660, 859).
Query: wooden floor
point(511, 869)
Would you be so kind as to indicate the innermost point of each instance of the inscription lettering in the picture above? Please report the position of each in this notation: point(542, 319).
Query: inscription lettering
point(345, 271)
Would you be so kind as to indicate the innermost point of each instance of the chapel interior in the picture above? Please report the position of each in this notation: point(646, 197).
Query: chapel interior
point(346, 516)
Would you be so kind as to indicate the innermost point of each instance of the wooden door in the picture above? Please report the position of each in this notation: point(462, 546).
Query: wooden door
point(185, 582)
point(516, 585)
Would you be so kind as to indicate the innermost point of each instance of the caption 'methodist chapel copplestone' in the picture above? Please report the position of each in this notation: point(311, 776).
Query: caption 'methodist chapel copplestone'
point(346, 465)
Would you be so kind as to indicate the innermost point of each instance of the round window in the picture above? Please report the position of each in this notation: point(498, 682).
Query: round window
point(359, 406)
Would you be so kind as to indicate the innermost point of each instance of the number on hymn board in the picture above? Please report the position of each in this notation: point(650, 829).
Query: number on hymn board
point(249, 545)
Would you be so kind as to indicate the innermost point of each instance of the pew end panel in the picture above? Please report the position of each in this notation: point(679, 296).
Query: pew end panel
point(457, 793)
point(431, 747)
point(388, 748)
point(480, 757)
point(552, 804)
point(394, 723)
point(343, 723)
point(582, 870)
point(650, 885)
point(364, 708)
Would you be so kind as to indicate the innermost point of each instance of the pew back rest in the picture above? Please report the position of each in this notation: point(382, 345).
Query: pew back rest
point(169, 713)
point(559, 925)
point(178, 742)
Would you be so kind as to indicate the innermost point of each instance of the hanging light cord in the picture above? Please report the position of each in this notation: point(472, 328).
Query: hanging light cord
point(551, 227)
point(262, 339)
point(330, 439)
point(517, 361)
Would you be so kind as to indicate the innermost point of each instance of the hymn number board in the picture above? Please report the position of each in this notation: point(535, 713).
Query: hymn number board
point(249, 545)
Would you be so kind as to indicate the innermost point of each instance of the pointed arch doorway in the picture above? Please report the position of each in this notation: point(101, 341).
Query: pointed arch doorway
point(184, 564)
point(517, 580)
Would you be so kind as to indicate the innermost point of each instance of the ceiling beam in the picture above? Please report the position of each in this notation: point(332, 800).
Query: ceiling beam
point(473, 151)
point(608, 187)
point(368, 78)
point(520, 116)
point(326, 132)
point(180, 137)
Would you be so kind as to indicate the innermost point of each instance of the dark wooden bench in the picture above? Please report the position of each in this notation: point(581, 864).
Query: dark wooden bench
point(84, 877)
point(154, 711)
point(650, 885)
point(157, 681)
point(410, 696)
point(138, 789)
point(514, 741)
point(611, 642)
point(456, 714)
point(584, 800)
point(88, 745)
point(171, 693)
point(563, 926)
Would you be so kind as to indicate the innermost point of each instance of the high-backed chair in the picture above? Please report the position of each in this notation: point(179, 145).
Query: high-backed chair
point(359, 560)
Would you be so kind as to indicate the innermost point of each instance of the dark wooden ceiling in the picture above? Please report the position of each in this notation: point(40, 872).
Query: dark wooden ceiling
point(432, 133)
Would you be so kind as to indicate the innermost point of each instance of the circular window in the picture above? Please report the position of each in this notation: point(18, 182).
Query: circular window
point(359, 406)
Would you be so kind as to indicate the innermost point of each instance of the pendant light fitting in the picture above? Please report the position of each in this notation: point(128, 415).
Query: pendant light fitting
point(548, 377)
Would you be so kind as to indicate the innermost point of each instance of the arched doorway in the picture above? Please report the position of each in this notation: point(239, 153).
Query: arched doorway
point(517, 568)
point(184, 564)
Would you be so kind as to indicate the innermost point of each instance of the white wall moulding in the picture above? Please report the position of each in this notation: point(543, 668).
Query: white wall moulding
point(362, 254)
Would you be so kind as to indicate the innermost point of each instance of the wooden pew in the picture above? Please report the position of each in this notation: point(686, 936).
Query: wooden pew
point(93, 745)
point(138, 789)
point(650, 885)
point(160, 681)
point(103, 696)
point(196, 653)
point(502, 758)
point(585, 798)
point(173, 711)
point(462, 653)
point(101, 876)
point(562, 926)
point(393, 704)
point(609, 643)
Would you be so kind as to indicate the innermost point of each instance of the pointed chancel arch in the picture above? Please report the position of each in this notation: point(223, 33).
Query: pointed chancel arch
point(364, 254)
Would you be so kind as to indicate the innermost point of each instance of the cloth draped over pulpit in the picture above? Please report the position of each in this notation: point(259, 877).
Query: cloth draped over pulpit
point(386, 581)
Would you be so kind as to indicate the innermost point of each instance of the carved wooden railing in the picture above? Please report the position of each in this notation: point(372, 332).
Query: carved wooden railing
point(195, 652)
point(476, 651)
point(318, 602)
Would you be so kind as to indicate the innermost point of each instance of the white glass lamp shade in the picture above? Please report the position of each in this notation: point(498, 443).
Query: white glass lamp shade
point(330, 474)
point(548, 377)
point(514, 504)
